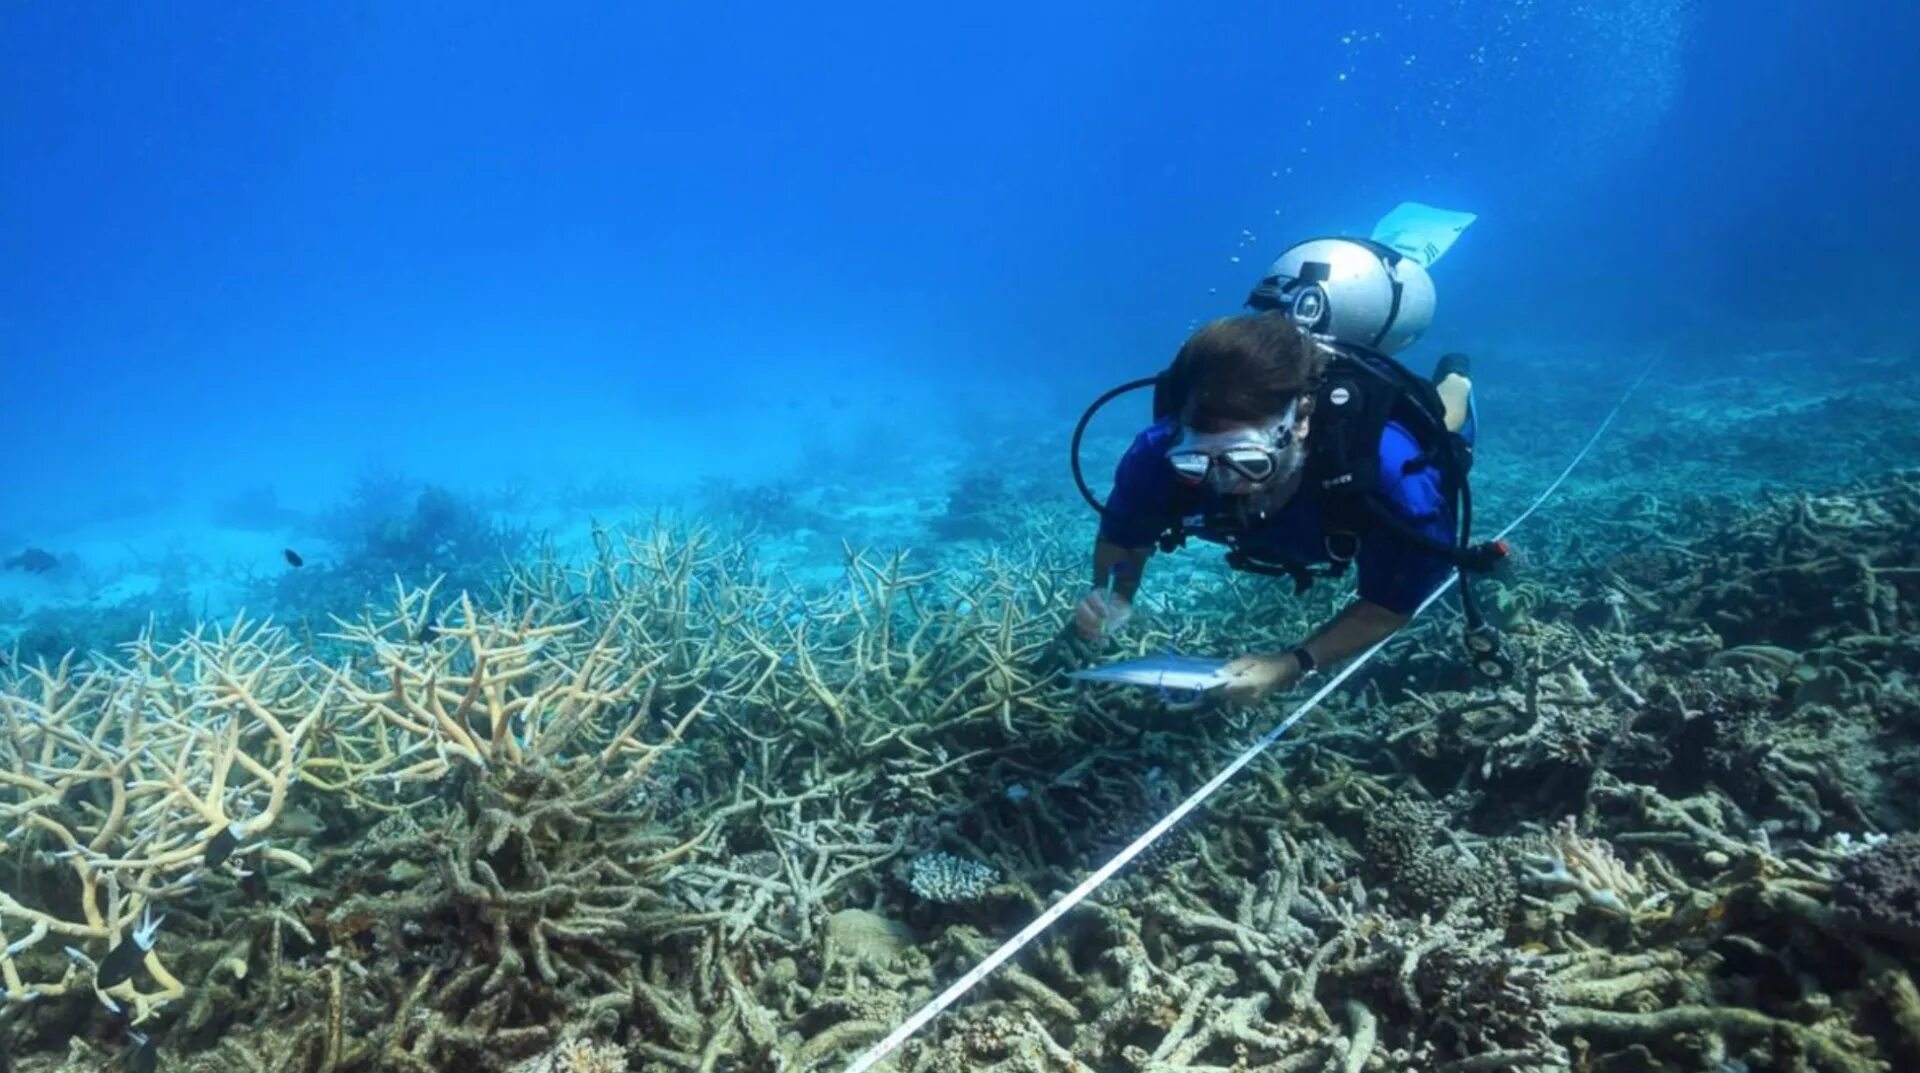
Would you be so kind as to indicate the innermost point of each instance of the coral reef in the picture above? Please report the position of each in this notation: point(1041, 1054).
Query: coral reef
point(388, 528)
point(653, 811)
point(985, 504)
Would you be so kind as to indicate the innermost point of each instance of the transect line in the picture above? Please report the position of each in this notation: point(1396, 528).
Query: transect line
point(1054, 912)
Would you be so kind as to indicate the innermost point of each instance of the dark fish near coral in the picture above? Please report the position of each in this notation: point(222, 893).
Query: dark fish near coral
point(254, 882)
point(83, 791)
point(34, 560)
point(221, 846)
point(429, 630)
point(119, 964)
point(145, 1055)
point(293, 557)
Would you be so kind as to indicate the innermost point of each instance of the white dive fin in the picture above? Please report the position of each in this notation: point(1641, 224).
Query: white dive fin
point(1422, 232)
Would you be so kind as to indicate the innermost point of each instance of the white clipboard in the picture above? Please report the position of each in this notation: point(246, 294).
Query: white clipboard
point(1183, 674)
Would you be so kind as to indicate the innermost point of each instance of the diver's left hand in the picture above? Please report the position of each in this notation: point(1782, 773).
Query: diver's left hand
point(1252, 679)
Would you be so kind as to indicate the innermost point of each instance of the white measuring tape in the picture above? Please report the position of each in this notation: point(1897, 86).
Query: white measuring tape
point(1054, 912)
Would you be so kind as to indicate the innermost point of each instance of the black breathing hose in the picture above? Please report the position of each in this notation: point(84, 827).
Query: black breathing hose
point(1080, 431)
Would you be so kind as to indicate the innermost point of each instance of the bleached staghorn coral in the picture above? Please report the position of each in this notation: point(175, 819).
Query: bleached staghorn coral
point(717, 967)
point(1586, 867)
point(537, 739)
point(124, 783)
point(491, 687)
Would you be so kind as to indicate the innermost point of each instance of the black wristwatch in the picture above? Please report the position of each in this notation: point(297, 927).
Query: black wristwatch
point(1304, 660)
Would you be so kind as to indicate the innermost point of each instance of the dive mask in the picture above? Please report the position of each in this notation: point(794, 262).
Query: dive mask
point(1232, 461)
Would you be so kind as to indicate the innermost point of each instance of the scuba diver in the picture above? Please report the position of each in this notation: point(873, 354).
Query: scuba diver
point(1291, 436)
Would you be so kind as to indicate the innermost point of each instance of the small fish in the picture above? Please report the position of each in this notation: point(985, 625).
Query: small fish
point(33, 560)
point(293, 557)
point(222, 845)
point(119, 964)
point(145, 1055)
point(429, 631)
point(82, 791)
point(253, 881)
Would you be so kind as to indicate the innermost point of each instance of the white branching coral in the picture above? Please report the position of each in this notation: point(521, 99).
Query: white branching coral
point(126, 782)
point(1586, 867)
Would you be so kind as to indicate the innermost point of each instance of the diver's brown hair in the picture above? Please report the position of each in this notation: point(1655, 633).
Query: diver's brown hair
point(1241, 370)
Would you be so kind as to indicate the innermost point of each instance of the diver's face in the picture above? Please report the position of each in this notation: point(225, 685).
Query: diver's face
point(1256, 459)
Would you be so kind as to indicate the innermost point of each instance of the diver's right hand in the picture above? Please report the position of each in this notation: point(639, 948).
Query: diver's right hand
point(1100, 612)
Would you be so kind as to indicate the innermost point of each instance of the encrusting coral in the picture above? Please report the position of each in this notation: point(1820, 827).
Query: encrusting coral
point(658, 812)
point(1878, 888)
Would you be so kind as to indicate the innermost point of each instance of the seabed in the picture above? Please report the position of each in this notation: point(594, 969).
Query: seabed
point(657, 808)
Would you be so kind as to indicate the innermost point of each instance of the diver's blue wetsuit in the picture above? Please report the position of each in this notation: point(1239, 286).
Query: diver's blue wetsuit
point(1393, 574)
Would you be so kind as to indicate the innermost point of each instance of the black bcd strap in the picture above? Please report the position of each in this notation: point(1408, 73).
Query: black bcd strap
point(1359, 393)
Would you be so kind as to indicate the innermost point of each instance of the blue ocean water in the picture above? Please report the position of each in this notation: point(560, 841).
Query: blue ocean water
point(254, 254)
